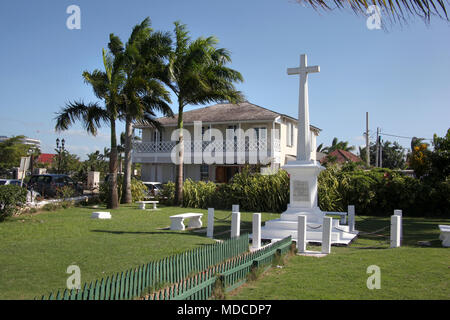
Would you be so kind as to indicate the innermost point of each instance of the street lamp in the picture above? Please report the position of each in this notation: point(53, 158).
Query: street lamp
point(60, 150)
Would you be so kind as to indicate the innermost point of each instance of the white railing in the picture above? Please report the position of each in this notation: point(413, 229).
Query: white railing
point(226, 145)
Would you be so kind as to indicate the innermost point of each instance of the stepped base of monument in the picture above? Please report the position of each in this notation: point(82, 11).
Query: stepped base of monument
point(287, 225)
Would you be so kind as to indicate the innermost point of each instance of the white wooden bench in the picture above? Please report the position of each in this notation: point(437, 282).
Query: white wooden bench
point(143, 203)
point(194, 221)
point(445, 235)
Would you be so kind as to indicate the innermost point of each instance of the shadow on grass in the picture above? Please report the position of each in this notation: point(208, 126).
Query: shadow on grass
point(147, 232)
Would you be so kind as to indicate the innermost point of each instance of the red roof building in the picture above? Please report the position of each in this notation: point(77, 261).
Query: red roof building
point(341, 156)
point(46, 158)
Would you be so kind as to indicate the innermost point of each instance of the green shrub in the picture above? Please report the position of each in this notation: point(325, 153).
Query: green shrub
point(138, 190)
point(167, 194)
point(65, 192)
point(252, 191)
point(12, 199)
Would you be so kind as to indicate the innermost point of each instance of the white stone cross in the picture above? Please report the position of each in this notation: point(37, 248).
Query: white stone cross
point(303, 130)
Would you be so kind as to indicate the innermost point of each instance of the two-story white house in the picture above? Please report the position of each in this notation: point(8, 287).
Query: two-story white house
point(276, 133)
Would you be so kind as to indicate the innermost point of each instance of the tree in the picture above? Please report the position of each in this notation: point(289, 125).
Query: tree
point(419, 160)
point(107, 86)
point(440, 157)
point(395, 10)
point(68, 163)
point(197, 74)
point(11, 150)
point(337, 145)
point(393, 154)
point(144, 94)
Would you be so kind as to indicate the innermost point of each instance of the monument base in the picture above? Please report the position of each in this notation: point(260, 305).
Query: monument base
point(287, 225)
point(303, 201)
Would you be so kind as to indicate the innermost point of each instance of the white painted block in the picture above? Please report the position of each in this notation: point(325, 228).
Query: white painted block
point(400, 214)
point(256, 235)
point(235, 224)
point(326, 235)
point(210, 229)
point(101, 215)
point(395, 231)
point(351, 218)
point(301, 234)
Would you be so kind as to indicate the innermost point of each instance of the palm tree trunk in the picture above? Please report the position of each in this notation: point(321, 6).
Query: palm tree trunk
point(113, 201)
point(126, 190)
point(179, 180)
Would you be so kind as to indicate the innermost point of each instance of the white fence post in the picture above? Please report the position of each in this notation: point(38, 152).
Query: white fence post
point(400, 214)
point(395, 231)
point(235, 224)
point(210, 229)
point(256, 236)
point(301, 234)
point(235, 208)
point(326, 234)
point(351, 218)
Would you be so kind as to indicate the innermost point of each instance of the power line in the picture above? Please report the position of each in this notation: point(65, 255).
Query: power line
point(393, 135)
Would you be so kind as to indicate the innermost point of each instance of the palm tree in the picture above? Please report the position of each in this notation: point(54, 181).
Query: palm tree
point(395, 10)
point(197, 74)
point(142, 59)
point(338, 145)
point(107, 86)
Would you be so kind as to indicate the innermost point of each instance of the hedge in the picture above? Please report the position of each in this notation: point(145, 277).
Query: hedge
point(12, 199)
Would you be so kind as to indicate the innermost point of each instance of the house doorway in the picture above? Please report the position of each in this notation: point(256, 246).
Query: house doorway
point(225, 173)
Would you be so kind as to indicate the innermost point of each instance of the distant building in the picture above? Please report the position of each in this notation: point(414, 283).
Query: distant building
point(29, 141)
point(340, 156)
point(46, 158)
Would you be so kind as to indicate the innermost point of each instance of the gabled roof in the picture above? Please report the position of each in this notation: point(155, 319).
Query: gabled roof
point(223, 112)
point(342, 156)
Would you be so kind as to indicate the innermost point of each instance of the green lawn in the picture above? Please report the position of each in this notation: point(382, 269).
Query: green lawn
point(35, 250)
point(409, 272)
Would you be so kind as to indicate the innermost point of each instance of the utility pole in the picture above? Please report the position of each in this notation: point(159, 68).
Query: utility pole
point(377, 152)
point(367, 141)
point(381, 153)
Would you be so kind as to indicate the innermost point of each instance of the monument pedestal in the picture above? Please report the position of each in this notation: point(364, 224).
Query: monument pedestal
point(303, 201)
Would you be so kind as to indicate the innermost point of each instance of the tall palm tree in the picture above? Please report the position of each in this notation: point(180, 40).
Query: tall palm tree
point(394, 10)
point(107, 86)
point(143, 94)
point(197, 74)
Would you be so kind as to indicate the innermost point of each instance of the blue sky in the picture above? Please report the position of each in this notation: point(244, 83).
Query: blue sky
point(401, 77)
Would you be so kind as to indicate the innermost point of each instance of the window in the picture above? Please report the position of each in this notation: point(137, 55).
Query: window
point(289, 134)
point(204, 172)
point(261, 132)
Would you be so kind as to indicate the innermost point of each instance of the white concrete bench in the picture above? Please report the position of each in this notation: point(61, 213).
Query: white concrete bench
point(101, 215)
point(143, 203)
point(445, 235)
point(194, 221)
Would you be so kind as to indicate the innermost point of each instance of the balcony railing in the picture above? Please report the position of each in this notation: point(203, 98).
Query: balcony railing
point(259, 145)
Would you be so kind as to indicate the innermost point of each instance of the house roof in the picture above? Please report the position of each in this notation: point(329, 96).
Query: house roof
point(341, 156)
point(46, 158)
point(223, 112)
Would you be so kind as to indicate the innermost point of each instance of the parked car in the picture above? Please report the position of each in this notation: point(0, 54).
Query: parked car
point(153, 188)
point(47, 184)
point(15, 182)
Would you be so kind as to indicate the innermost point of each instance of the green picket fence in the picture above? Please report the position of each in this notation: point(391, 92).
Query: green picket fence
point(232, 273)
point(134, 282)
